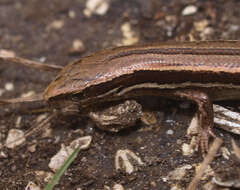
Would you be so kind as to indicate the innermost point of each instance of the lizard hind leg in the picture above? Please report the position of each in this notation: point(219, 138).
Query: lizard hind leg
point(204, 113)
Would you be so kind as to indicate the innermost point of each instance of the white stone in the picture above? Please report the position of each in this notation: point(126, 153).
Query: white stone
point(77, 46)
point(175, 187)
point(65, 151)
point(32, 186)
point(28, 94)
point(99, 7)
point(46, 176)
point(118, 187)
point(225, 153)
point(18, 122)
point(179, 173)
point(189, 149)
point(129, 36)
point(201, 25)
point(123, 162)
point(3, 154)
point(56, 24)
point(15, 137)
point(193, 126)
point(72, 14)
point(189, 10)
point(9, 86)
point(170, 132)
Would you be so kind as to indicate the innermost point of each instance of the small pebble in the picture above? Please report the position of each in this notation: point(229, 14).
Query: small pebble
point(32, 186)
point(118, 187)
point(84, 159)
point(234, 28)
point(164, 179)
point(32, 148)
point(57, 24)
point(193, 126)
point(201, 25)
point(42, 59)
point(106, 187)
point(71, 14)
point(179, 141)
point(187, 150)
point(170, 132)
point(15, 137)
point(58, 159)
point(57, 139)
point(206, 33)
point(63, 154)
point(189, 10)
point(9, 86)
point(225, 153)
point(46, 176)
point(3, 155)
point(175, 187)
point(153, 184)
point(129, 36)
point(99, 7)
point(179, 173)
point(124, 160)
point(18, 122)
point(28, 94)
point(77, 47)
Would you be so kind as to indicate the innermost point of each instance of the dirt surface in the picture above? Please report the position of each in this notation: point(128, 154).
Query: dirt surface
point(45, 31)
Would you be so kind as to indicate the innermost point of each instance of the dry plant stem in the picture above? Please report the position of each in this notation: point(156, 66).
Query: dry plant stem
point(29, 63)
point(33, 98)
point(207, 160)
point(236, 149)
point(9, 57)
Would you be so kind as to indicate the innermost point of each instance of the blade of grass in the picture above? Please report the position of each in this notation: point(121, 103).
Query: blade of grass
point(61, 171)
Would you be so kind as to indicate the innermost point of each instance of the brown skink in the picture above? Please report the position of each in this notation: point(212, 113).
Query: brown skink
point(213, 67)
point(201, 72)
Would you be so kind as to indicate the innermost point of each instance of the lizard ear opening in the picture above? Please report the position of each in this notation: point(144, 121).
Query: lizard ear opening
point(33, 98)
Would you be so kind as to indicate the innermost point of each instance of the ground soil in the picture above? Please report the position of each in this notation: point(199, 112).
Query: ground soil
point(27, 28)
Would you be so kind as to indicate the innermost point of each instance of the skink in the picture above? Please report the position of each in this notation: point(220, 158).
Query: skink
point(201, 72)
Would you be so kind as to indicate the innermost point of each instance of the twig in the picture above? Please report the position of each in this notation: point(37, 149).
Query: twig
point(236, 149)
point(11, 57)
point(33, 98)
point(207, 160)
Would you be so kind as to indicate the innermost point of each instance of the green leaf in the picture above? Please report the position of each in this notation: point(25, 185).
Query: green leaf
point(61, 171)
